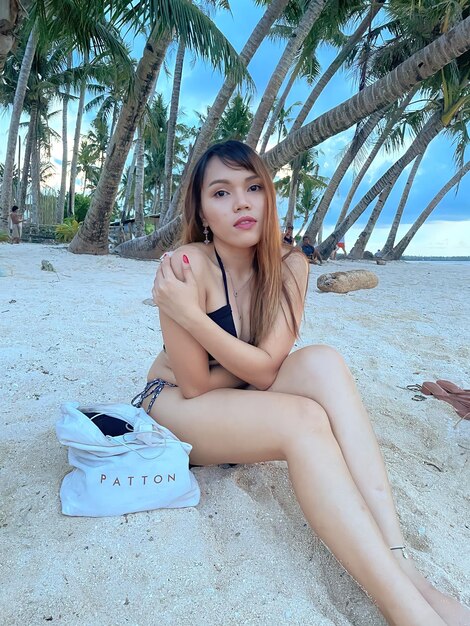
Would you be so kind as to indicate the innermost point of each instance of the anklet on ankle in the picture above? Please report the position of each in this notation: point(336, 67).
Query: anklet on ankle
point(403, 551)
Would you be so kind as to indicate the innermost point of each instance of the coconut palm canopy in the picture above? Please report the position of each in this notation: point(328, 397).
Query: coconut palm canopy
point(116, 100)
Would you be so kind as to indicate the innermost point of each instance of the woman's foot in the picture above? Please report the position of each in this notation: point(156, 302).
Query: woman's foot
point(451, 610)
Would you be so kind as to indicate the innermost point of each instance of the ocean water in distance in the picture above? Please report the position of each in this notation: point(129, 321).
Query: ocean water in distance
point(438, 259)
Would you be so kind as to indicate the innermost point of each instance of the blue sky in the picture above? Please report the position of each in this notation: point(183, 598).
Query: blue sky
point(446, 232)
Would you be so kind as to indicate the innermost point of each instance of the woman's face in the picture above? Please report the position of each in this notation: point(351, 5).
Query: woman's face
point(233, 204)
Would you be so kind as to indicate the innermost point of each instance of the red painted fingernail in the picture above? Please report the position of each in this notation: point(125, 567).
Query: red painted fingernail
point(185, 259)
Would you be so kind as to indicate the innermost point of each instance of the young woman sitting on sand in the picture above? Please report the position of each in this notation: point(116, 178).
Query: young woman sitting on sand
point(231, 300)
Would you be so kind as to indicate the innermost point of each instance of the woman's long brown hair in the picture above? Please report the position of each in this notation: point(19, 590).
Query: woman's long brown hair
point(269, 284)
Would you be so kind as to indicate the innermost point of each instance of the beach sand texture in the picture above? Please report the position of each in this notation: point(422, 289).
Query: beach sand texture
point(244, 555)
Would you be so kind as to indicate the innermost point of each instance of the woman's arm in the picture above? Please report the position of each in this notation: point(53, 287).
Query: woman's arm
point(188, 359)
point(256, 365)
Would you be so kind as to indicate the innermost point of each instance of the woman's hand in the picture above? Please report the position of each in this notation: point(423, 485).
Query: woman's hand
point(177, 298)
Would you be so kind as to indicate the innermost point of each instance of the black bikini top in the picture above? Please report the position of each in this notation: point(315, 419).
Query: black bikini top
point(223, 317)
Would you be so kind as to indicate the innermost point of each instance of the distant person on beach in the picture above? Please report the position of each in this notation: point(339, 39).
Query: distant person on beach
point(378, 254)
point(310, 251)
point(16, 224)
point(340, 245)
point(231, 300)
point(288, 239)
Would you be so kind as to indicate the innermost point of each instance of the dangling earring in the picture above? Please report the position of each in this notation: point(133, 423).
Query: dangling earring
point(206, 232)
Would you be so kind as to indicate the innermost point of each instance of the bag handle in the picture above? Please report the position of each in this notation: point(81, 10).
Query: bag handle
point(147, 428)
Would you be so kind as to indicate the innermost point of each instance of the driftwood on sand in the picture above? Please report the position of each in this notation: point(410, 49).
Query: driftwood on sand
point(342, 282)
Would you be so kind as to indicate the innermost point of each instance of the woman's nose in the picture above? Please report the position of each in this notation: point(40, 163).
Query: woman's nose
point(241, 202)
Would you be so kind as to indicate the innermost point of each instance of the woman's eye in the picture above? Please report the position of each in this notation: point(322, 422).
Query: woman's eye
point(255, 188)
point(220, 194)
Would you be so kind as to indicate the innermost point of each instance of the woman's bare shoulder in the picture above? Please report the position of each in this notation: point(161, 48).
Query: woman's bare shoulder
point(195, 253)
point(296, 261)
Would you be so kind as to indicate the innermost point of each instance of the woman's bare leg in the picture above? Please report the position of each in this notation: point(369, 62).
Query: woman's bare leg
point(229, 425)
point(320, 373)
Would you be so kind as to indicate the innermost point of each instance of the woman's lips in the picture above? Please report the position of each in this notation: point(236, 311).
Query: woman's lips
point(245, 224)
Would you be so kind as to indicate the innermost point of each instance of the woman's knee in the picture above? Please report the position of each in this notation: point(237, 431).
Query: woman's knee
point(320, 357)
point(307, 420)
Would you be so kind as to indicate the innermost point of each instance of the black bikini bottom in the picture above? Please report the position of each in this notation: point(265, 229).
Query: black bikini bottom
point(152, 390)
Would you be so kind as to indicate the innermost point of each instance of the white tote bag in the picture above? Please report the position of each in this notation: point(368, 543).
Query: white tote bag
point(139, 467)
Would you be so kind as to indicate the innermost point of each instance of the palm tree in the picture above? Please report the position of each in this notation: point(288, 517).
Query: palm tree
point(399, 249)
point(427, 134)
point(27, 159)
point(366, 23)
point(401, 206)
point(63, 178)
point(7, 181)
point(283, 118)
point(44, 84)
point(201, 34)
point(304, 169)
point(127, 183)
point(236, 120)
point(384, 91)
point(76, 141)
point(86, 163)
point(308, 19)
point(357, 250)
point(98, 137)
point(139, 181)
point(356, 144)
point(308, 198)
point(206, 132)
point(278, 109)
point(392, 119)
point(73, 24)
point(171, 131)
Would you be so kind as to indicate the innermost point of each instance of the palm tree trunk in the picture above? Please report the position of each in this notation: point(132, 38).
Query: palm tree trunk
point(385, 91)
point(154, 245)
point(63, 179)
point(139, 183)
point(7, 183)
point(294, 186)
point(357, 251)
point(305, 220)
point(348, 158)
point(259, 34)
point(157, 192)
point(27, 158)
point(171, 127)
point(76, 143)
point(130, 180)
point(277, 78)
point(400, 248)
point(430, 130)
point(406, 192)
point(113, 123)
point(35, 178)
point(92, 238)
point(386, 132)
point(335, 65)
point(278, 109)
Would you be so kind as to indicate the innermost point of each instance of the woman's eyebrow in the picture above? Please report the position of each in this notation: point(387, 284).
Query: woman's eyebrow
point(224, 181)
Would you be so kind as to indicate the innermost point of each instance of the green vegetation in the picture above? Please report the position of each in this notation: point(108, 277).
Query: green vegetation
point(410, 59)
point(66, 232)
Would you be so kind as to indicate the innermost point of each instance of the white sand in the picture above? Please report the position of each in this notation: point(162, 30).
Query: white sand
point(244, 555)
